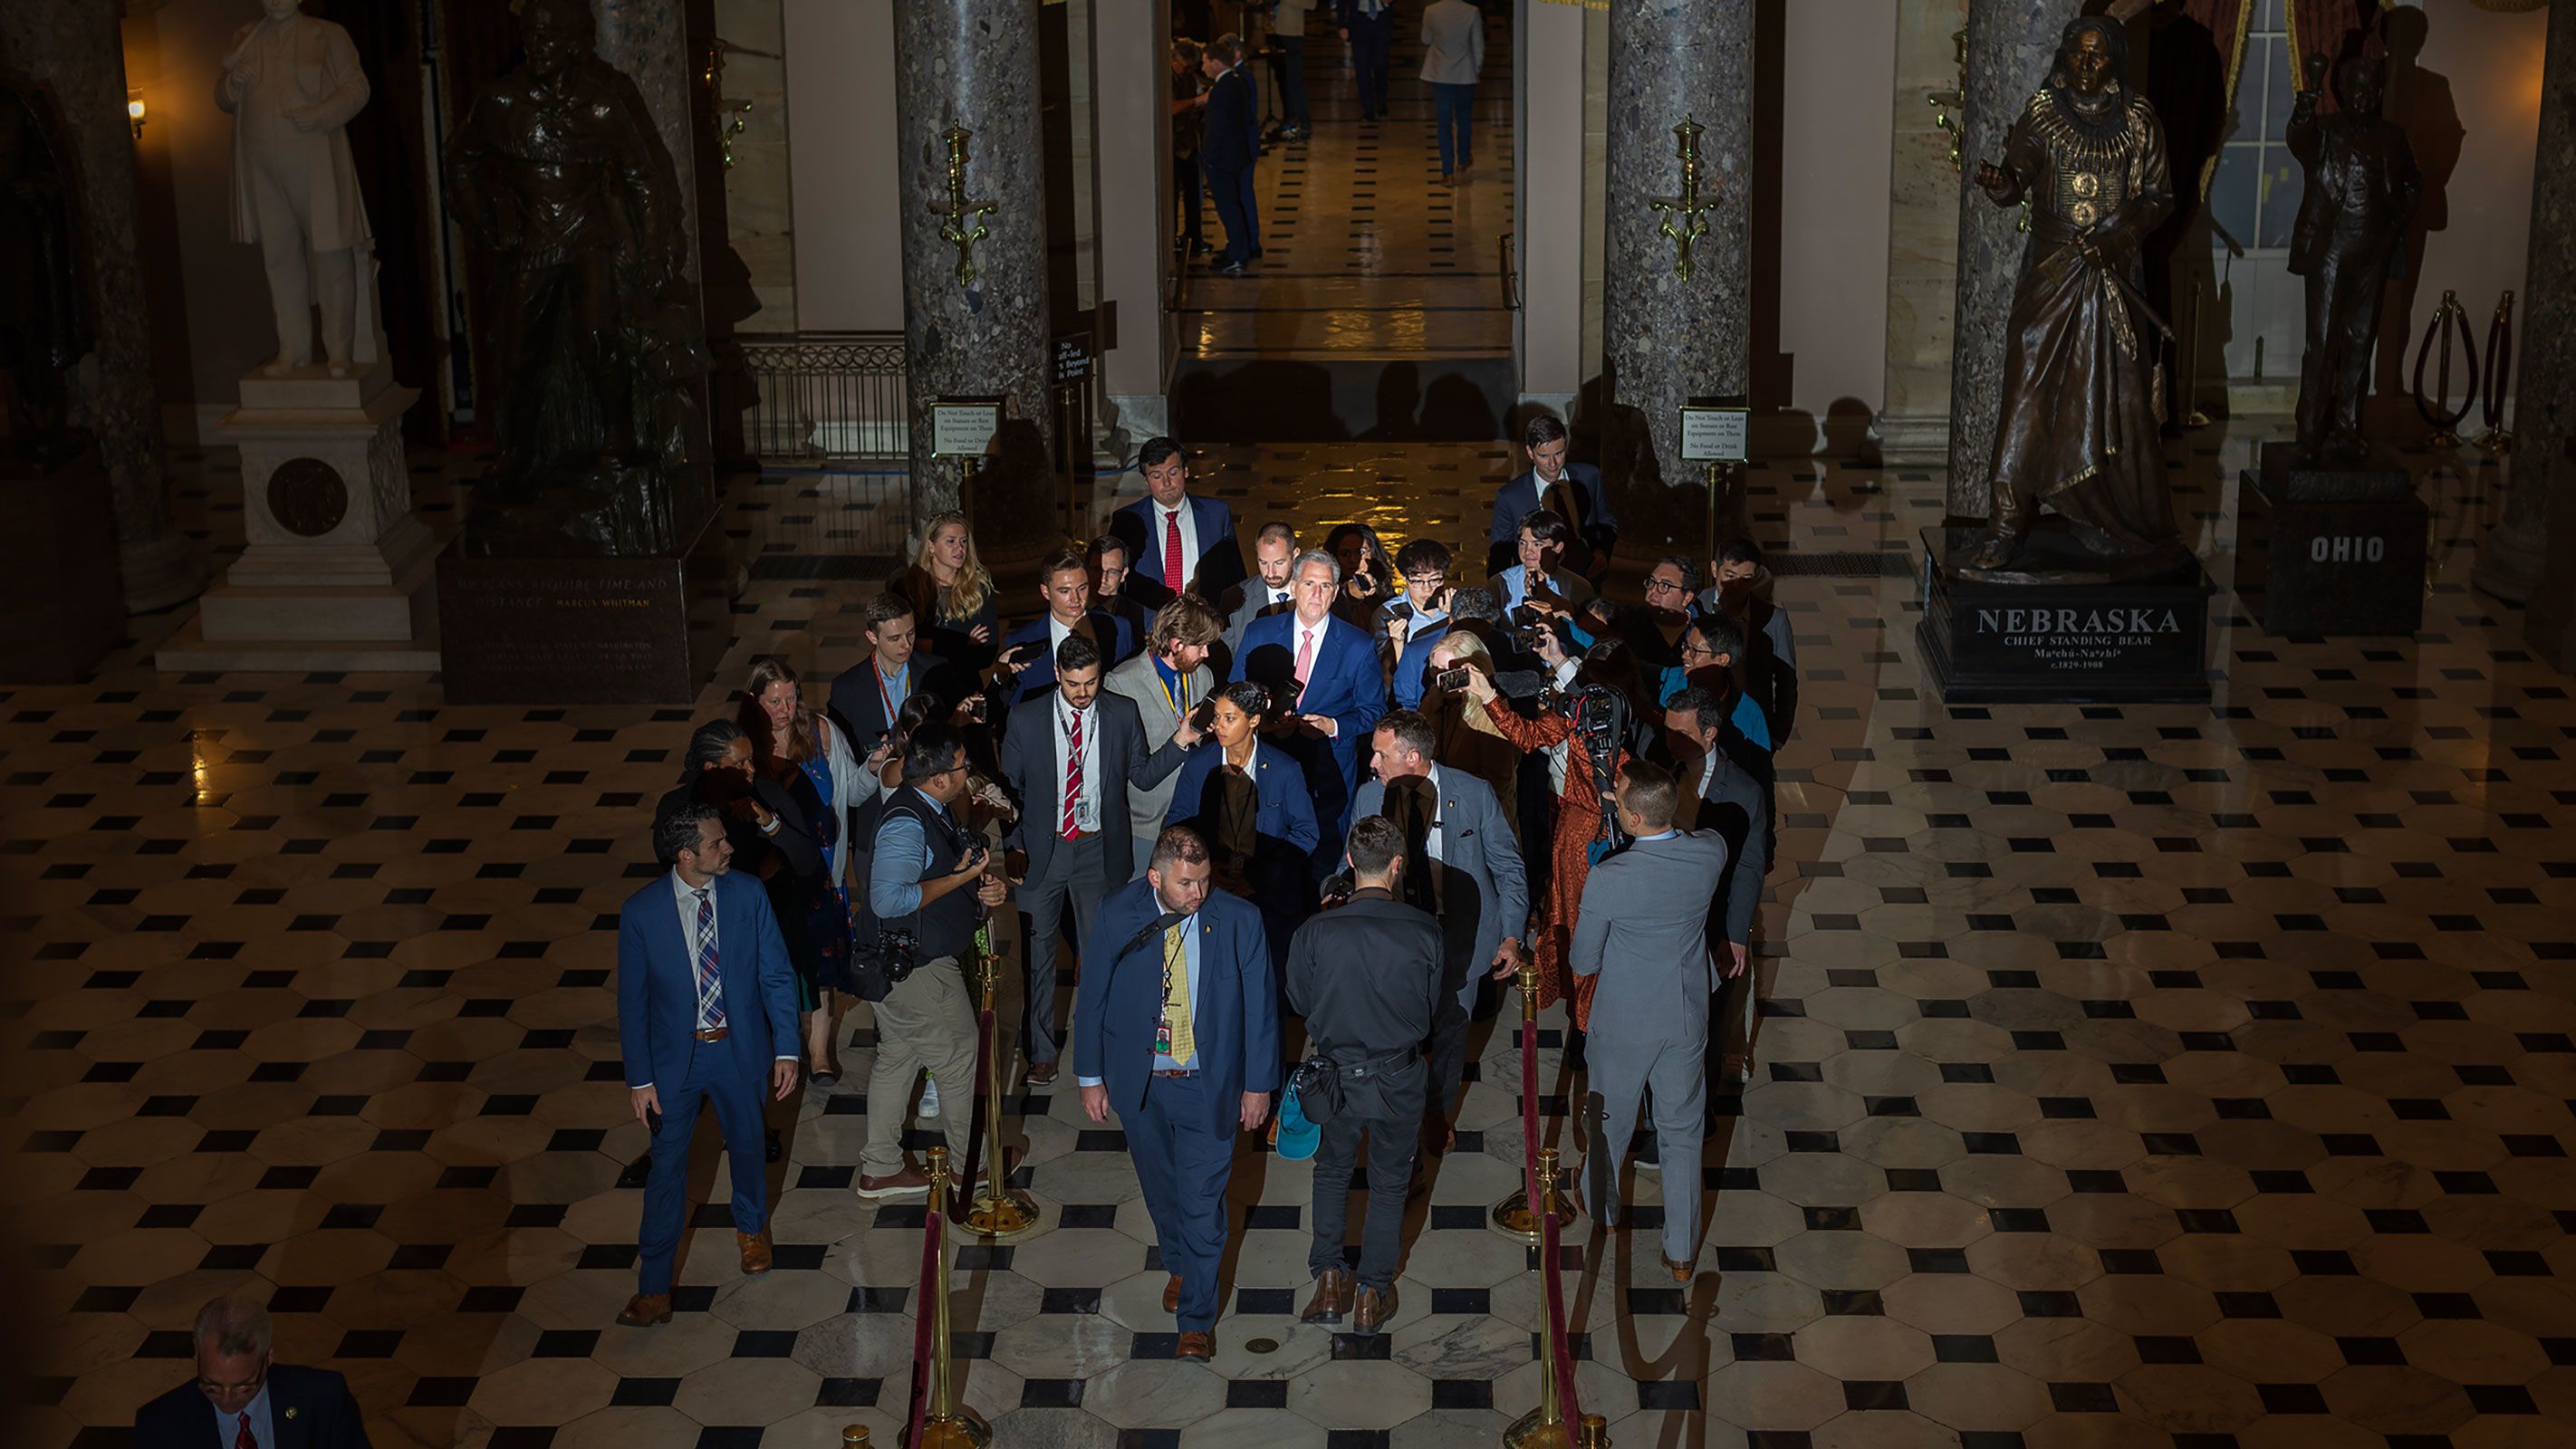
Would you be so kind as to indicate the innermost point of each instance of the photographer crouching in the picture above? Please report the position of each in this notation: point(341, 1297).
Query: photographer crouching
point(925, 878)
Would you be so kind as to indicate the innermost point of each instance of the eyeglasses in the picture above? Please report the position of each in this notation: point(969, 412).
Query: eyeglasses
point(1667, 585)
point(1426, 581)
point(1701, 650)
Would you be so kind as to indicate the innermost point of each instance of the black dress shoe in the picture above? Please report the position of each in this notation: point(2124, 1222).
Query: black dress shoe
point(775, 1150)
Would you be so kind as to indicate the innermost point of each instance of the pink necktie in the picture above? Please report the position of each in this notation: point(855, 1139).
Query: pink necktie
point(1305, 658)
point(1175, 571)
point(1068, 827)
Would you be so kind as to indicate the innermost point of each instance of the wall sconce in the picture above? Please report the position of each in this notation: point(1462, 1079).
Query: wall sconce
point(134, 112)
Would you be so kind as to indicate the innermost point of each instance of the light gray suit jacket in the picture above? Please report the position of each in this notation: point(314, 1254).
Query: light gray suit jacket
point(1251, 603)
point(1137, 680)
point(1645, 918)
point(1484, 889)
point(1453, 42)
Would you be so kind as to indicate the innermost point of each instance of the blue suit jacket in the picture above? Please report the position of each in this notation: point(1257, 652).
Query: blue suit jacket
point(1107, 630)
point(1344, 683)
point(1218, 567)
point(1235, 1017)
point(657, 983)
point(1284, 811)
point(1232, 136)
point(1410, 684)
point(325, 1415)
point(1520, 497)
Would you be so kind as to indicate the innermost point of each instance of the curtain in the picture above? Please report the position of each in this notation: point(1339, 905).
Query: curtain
point(2333, 28)
point(2194, 60)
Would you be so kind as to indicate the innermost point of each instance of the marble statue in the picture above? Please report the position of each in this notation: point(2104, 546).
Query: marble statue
point(292, 83)
point(2082, 377)
point(559, 171)
point(43, 332)
point(2362, 189)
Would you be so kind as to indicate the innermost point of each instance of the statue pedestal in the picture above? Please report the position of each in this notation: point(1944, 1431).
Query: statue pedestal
point(2323, 550)
point(336, 571)
point(595, 630)
point(2142, 641)
point(61, 608)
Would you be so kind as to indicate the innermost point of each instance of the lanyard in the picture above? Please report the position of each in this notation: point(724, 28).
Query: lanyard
point(1180, 701)
point(903, 681)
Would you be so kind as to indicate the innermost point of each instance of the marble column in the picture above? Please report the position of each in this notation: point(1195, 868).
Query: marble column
point(649, 41)
point(1666, 339)
point(1548, 236)
point(2010, 45)
point(69, 52)
point(2537, 534)
point(1922, 238)
point(1130, 168)
point(973, 65)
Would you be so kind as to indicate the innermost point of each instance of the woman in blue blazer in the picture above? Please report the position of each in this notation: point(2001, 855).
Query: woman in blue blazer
point(1251, 806)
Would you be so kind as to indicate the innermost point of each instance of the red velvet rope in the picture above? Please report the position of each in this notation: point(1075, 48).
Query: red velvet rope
point(925, 1325)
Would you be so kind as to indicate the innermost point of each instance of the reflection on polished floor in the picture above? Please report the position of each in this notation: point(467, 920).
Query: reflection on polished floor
point(2130, 1076)
point(1365, 254)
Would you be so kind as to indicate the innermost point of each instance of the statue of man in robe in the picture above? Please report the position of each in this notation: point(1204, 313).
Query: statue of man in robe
point(291, 84)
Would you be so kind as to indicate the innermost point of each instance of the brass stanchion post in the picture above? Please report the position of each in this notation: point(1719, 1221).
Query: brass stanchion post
point(1512, 1216)
point(999, 1210)
point(854, 1436)
point(949, 1424)
point(2192, 416)
point(1543, 1427)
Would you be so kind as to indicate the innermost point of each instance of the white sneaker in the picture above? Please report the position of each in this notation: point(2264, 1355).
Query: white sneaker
point(929, 1095)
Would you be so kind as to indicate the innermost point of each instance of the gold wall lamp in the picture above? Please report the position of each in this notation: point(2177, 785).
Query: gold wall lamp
point(134, 112)
point(1685, 208)
point(955, 216)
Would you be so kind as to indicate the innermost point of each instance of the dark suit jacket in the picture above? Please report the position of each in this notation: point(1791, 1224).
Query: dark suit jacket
point(1218, 567)
point(1232, 140)
point(1235, 1016)
point(1520, 497)
point(1343, 683)
point(1107, 630)
point(657, 994)
point(1484, 887)
point(325, 1415)
point(1035, 778)
point(858, 702)
point(1737, 805)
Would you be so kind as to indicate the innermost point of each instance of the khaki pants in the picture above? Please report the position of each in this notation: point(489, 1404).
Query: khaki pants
point(926, 1022)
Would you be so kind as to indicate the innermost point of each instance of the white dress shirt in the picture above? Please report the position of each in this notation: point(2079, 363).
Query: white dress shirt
point(1086, 807)
point(1057, 633)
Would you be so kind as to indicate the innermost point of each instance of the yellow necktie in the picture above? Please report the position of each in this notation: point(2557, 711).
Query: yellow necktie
point(1179, 1042)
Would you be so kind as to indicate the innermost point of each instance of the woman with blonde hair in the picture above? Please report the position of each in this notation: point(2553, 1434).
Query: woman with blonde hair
point(1465, 736)
point(952, 594)
point(797, 747)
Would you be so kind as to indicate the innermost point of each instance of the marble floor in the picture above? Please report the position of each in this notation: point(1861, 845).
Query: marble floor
point(2129, 1076)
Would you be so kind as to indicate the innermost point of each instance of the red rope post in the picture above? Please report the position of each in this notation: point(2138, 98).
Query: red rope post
point(925, 1330)
point(1560, 1348)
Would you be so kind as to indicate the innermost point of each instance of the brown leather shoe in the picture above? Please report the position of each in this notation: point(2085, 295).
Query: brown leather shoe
point(1332, 1297)
point(1680, 1270)
point(1195, 1347)
point(1172, 1294)
point(1376, 1306)
point(755, 1250)
point(646, 1309)
point(907, 1183)
point(1041, 1073)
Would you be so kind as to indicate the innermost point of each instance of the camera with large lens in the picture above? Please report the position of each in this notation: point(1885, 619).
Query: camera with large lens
point(896, 954)
point(1595, 710)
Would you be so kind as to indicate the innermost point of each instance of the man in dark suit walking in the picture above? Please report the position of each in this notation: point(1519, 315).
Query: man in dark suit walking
point(867, 696)
point(1369, 25)
point(242, 1399)
point(705, 999)
point(1176, 1026)
point(1367, 978)
point(1464, 867)
point(1545, 442)
point(1176, 541)
point(1226, 152)
point(1327, 670)
point(1067, 760)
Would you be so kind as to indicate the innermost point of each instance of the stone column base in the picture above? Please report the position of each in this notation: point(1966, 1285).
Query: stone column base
point(338, 573)
point(1913, 442)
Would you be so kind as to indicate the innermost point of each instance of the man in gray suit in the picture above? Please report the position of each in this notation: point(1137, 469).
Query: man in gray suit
point(1642, 928)
point(1067, 760)
point(1165, 682)
point(1274, 554)
point(1469, 876)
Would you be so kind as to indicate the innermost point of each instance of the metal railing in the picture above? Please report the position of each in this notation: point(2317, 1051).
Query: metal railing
point(821, 397)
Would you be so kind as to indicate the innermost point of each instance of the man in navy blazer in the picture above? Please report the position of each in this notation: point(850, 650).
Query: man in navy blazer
point(1469, 875)
point(1369, 25)
point(239, 1390)
point(1064, 585)
point(706, 1013)
point(1545, 442)
point(868, 695)
point(1327, 671)
point(1171, 525)
point(1229, 144)
point(1176, 1028)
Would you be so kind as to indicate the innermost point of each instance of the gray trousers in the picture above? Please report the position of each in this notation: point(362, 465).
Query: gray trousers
point(926, 1023)
point(1676, 1073)
point(1077, 876)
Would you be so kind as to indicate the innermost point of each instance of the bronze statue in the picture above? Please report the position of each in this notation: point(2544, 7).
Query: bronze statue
point(2082, 378)
point(558, 169)
point(2361, 193)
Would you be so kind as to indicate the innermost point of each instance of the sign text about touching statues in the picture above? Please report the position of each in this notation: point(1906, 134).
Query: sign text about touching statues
point(1715, 435)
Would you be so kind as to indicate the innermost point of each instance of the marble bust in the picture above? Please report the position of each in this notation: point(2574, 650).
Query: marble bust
point(291, 84)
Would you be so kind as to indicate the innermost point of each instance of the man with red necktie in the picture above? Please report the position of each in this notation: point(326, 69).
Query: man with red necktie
point(1179, 542)
point(241, 1399)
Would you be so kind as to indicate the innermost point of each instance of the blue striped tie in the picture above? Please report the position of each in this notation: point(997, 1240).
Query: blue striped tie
point(710, 990)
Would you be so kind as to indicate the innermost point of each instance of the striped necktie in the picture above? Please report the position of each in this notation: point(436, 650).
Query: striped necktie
point(711, 1012)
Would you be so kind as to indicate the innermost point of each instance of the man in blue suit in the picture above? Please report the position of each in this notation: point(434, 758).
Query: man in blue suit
point(1176, 542)
point(1064, 584)
point(1176, 1027)
point(1369, 25)
point(1227, 149)
point(705, 1001)
point(240, 1395)
point(1545, 442)
point(1327, 670)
